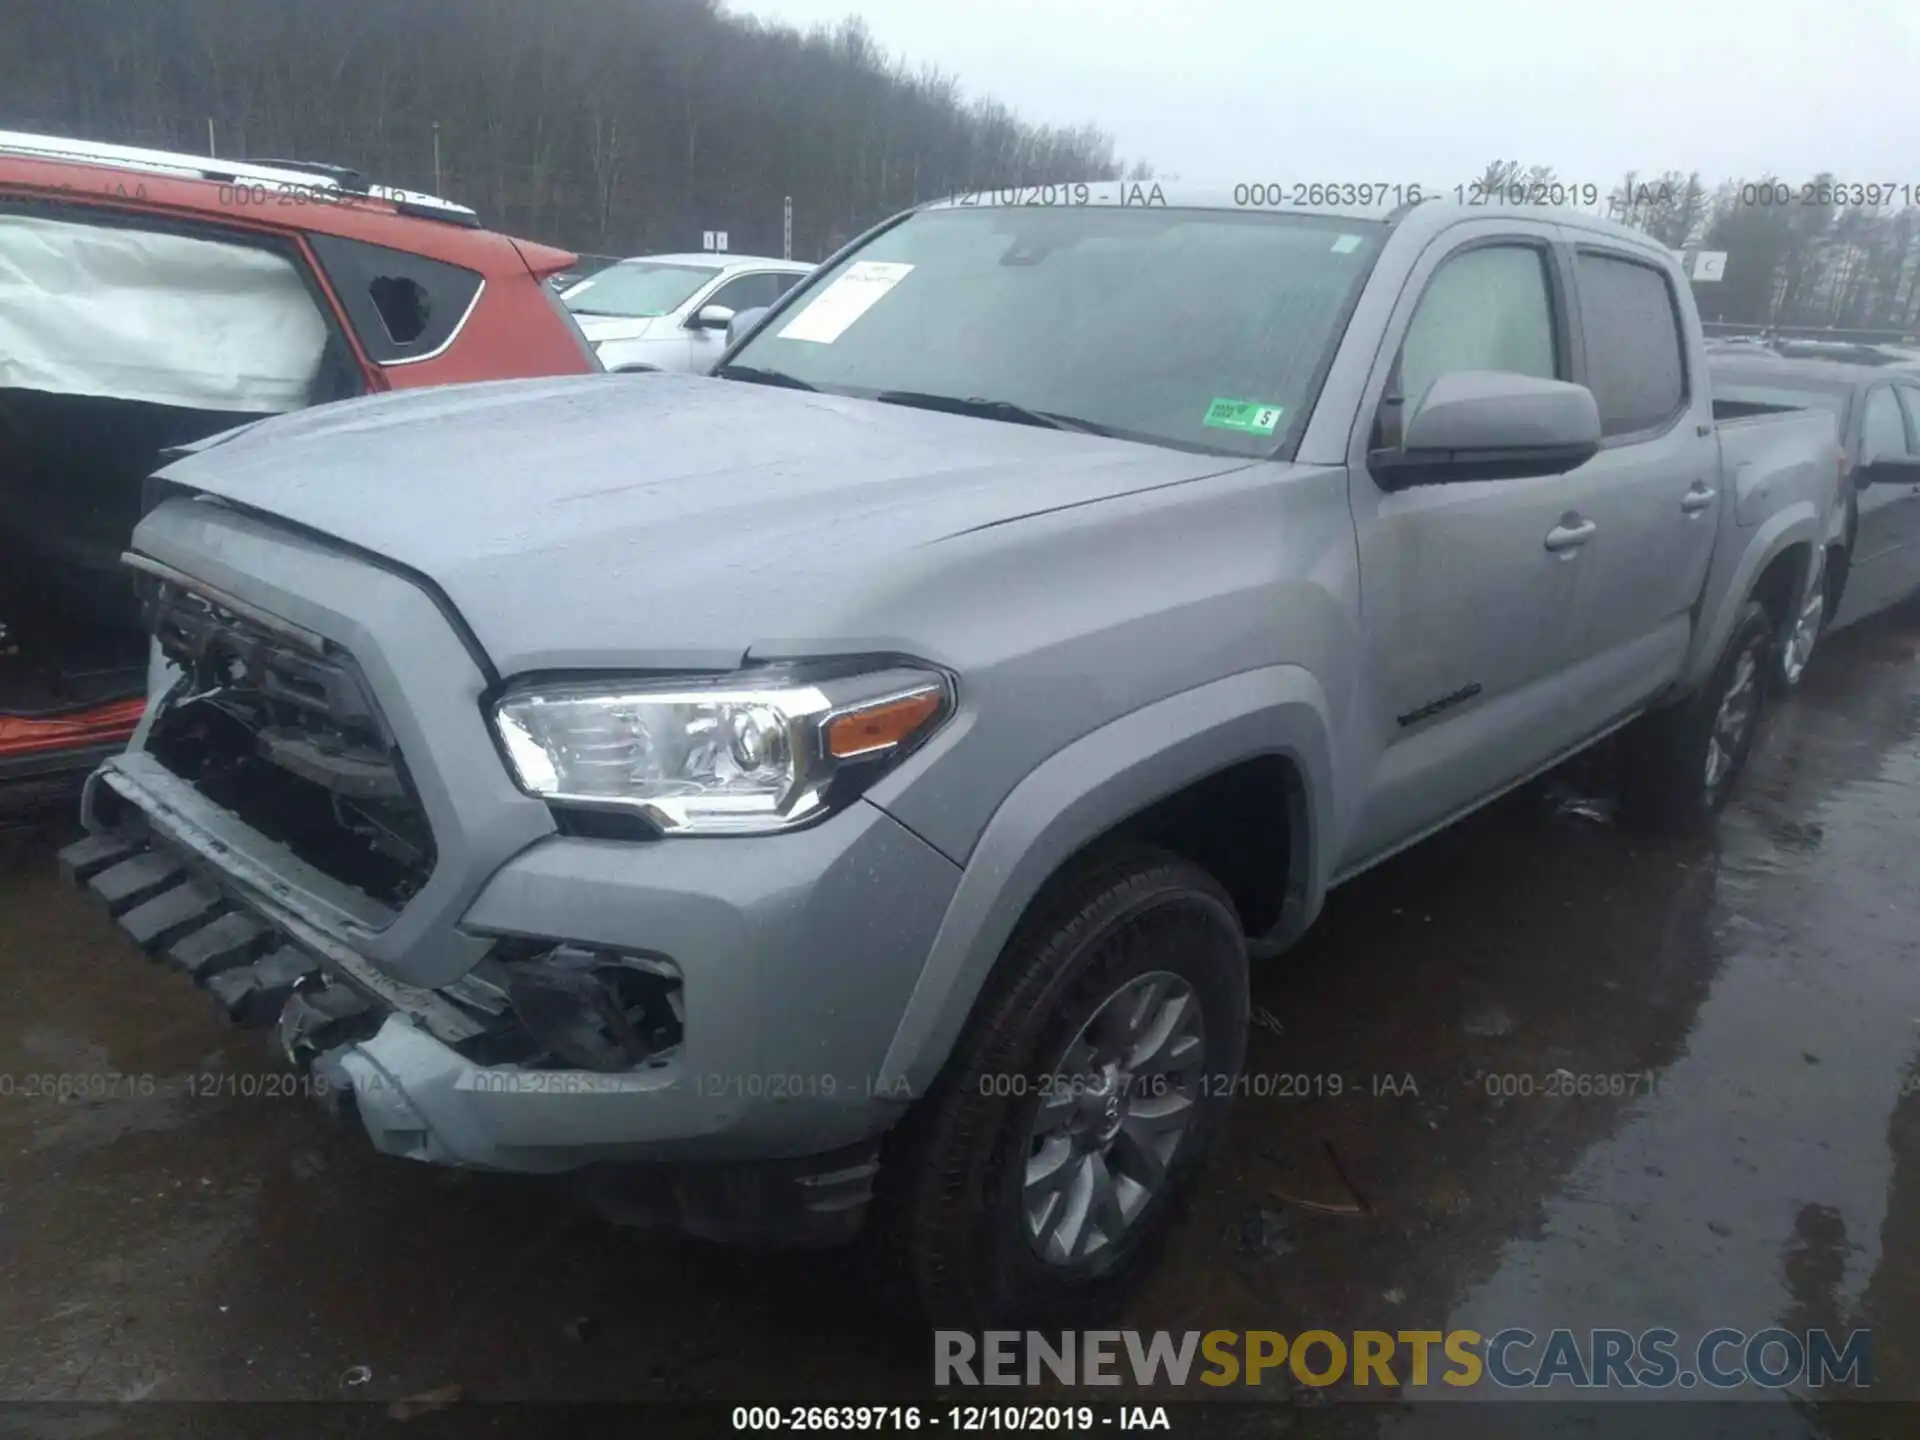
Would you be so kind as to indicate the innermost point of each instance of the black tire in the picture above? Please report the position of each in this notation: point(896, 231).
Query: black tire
point(1666, 780)
point(1801, 631)
point(950, 1211)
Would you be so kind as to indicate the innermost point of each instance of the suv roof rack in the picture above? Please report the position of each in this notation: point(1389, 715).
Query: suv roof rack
point(309, 175)
point(349, 178)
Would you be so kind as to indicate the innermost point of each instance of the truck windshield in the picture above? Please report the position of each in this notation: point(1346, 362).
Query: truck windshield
point(1200, 329)
point(637, 289)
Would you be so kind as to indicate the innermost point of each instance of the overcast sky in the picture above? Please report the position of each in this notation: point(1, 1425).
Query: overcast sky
point(1429, 91)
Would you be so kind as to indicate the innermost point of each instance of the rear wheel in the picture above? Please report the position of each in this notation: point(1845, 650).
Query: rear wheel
point(1804, 630)
point(1681, 763)
point(1037, 1180)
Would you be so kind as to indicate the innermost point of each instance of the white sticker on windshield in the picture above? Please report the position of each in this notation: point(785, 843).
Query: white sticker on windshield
point(1346, 245)
point(827, 316)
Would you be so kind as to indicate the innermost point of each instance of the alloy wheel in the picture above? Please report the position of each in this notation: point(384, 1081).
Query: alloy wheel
point(1114, 1109)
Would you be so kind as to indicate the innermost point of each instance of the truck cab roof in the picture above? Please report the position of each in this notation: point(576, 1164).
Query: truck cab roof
point(1413, 207)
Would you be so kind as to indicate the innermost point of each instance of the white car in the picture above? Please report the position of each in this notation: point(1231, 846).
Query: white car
point(670, 312)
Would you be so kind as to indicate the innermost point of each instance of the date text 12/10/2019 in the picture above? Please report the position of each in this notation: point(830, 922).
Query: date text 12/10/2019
point(960, 1419)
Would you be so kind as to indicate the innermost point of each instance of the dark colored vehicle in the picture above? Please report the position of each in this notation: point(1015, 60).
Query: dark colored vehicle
point(149, 300)
point(1846, 352)
point(1873, 558)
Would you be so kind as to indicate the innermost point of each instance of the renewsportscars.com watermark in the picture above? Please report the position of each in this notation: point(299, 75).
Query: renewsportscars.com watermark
point(1722, 1359)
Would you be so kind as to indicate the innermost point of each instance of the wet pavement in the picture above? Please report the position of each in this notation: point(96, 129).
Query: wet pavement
point(1541, 1071)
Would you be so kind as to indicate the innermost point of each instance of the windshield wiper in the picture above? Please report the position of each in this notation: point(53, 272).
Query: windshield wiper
point(990, 410)
point(757, 376)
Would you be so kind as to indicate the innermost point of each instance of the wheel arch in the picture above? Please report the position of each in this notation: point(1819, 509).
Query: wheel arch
point(1775, 555)
point(1781, 582)
point(1262, 737)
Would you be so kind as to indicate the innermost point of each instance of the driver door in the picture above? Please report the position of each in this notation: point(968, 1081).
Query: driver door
point(1908, 525)
point(744, 292)
point(1885, 563)
point(1469, 588)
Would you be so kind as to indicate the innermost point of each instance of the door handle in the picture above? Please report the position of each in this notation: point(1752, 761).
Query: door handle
point(1697, 499)
point(1570, 537)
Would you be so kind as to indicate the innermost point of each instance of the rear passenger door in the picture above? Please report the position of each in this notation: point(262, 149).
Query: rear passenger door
point(1651, 494)
point(126, 332)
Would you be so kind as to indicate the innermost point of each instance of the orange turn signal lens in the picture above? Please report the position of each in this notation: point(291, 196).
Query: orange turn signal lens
point(881, 726)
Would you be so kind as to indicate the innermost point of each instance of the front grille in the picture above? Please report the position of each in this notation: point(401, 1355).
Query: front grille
point(283, 731)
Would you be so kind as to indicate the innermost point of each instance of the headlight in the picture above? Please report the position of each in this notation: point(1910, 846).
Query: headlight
point(741, 754)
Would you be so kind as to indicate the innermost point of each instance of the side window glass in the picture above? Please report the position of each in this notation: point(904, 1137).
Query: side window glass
point(1636, 367)
point(1883, 429)
point(402, 307)
point(1488, 308)
point(746, 293)
point(784, 283)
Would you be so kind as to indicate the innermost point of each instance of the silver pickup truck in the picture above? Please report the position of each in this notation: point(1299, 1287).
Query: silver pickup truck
point(844, 794)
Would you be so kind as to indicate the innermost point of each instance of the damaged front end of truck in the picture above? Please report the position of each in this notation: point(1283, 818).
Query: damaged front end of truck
point(277, 732)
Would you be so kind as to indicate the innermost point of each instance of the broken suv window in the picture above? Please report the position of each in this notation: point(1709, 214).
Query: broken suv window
point(402, 307)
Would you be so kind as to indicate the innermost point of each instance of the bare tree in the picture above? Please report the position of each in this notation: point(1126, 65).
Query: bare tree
point(1672, 208)
point(609, 125)
point(631, 125)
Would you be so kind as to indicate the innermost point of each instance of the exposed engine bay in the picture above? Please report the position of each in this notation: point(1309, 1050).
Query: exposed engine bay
point(288, 738)
point(279, 728)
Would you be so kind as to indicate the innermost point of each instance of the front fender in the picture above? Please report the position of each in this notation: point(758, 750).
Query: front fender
point(1799, 523)
point(1085, 790)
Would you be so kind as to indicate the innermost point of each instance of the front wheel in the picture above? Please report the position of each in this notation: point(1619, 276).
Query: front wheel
point(1088, 1087)
point(1681, 762)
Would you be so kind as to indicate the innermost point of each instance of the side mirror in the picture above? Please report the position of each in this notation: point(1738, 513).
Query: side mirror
point(743, 322)
point(711, 317)
point(1888, 470)
point(1492, 425)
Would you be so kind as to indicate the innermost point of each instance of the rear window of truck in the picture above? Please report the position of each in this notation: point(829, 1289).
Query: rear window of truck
point(1636, 362)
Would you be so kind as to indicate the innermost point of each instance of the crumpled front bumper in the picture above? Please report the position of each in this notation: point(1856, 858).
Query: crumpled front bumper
point(760, 1126)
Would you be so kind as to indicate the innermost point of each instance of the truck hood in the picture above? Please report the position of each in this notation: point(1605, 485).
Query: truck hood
point(661, 519)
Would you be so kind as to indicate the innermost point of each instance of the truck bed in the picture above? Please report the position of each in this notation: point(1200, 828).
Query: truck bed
point(1779, 468)
point(1773, 455)
point(1725, 411)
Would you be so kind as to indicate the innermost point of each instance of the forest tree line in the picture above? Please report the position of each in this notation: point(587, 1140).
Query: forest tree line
point(607, 126)
point(627, 126)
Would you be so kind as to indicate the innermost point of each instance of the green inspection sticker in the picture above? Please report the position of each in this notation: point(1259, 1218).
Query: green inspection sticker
point(1247, 415)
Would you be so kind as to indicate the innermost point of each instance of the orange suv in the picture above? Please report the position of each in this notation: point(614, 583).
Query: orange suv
point(149, 300)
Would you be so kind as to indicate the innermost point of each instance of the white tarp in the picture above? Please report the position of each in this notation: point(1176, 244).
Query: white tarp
point(144, 315)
